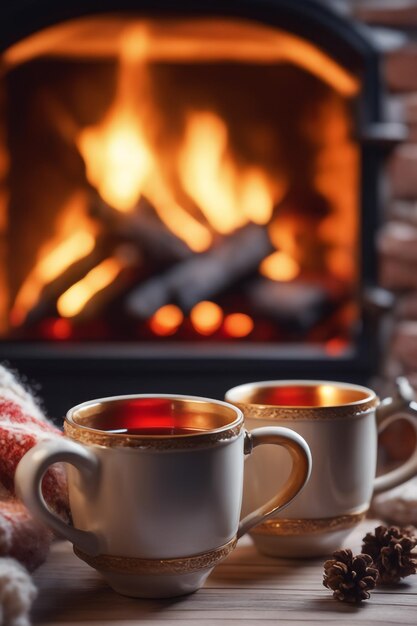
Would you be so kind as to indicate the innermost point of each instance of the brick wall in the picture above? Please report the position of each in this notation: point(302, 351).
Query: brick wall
point(394, 22)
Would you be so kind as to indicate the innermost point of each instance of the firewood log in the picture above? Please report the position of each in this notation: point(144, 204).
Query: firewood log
point(143, 228)
point(203, 276)
point(298, 305)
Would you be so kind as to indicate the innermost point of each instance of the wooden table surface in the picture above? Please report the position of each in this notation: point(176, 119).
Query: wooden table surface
point(246, 588)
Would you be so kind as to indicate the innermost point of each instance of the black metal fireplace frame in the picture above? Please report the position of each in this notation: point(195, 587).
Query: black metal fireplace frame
point(73, 372)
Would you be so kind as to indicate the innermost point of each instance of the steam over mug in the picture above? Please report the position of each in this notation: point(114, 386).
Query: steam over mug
point(340, 423)
point(155, 487)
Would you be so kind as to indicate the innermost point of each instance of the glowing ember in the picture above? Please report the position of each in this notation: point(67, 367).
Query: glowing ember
point(279, 266)
point(206, 317)
point(336, 346)
point(57, 329)
point(238, 325)
point(166, 320)
point(73, 301)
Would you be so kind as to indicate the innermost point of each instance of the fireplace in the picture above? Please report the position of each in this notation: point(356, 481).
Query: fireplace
point(189, 196)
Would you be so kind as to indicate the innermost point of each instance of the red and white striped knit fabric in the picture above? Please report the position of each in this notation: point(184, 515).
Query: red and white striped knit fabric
point(23, 539)
point(22, 425)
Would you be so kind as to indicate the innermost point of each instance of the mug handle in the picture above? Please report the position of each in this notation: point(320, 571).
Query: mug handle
point(402, 406)
point(28, 484)
point(300, 471)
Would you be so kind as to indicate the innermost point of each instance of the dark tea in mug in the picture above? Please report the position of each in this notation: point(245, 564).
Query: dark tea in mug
point(150, 417)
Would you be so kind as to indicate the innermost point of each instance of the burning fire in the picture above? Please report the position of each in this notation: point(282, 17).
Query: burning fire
point(209, 193)
point(122, 164)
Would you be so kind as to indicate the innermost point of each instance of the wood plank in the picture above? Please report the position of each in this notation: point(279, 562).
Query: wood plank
point(247, 588)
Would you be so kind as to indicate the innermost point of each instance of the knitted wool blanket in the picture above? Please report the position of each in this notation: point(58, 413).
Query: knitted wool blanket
point(24, 542)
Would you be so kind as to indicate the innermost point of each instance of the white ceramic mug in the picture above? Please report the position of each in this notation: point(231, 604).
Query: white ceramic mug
point(340, 423)
point(155, 487)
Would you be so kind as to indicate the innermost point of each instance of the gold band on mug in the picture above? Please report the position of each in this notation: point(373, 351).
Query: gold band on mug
point(289, 527)
point(326, 400)
point(264, 412)
point(133, 565)
point(186, 442)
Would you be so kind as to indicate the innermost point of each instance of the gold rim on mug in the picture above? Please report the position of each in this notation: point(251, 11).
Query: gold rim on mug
point(133, 565)
point(340, 400)
point(216, 422)
point(294, 527)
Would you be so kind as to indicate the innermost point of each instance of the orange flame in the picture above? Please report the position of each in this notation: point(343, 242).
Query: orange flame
point(74, 300)
point(59, 253)
point(197, 237)
point(227, 197)
point(117, 159)
point(279, 266)
point(283, 235)
point(121, 165)
point(336, 178)
point(116, 151)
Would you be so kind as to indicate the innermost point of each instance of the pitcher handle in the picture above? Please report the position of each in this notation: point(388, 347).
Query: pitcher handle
point(28, 483)
point(300, 471)
point(402, 405)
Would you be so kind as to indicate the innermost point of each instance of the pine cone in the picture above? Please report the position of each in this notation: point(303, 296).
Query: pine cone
point(350, 577)
point(390, 549)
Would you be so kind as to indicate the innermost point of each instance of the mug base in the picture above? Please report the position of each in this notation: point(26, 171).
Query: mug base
point(156, 578)
point(304, 538)
point(296, 547)
point(155, 586)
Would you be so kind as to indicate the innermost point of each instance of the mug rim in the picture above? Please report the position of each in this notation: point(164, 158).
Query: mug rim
point(236, 396)
point(91, 435)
